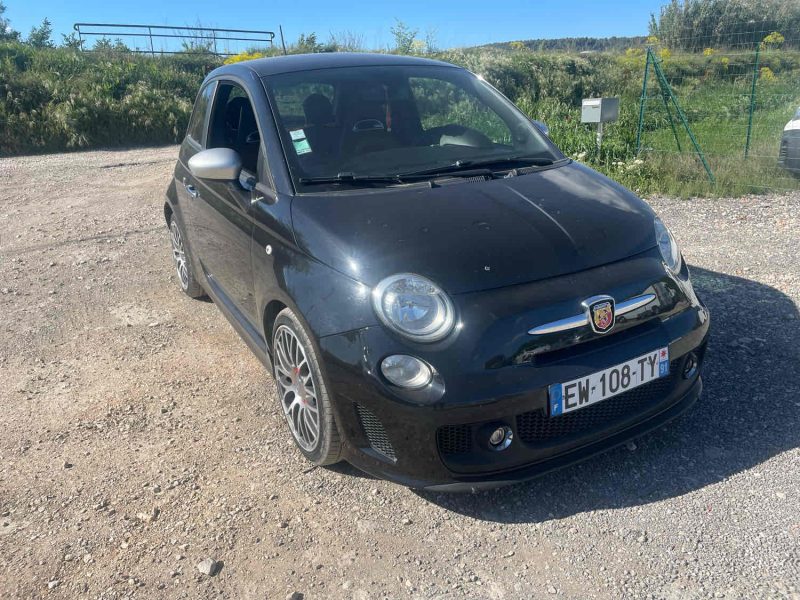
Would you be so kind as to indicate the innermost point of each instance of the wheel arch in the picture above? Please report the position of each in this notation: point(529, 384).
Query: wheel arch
point(271, 312)
point(170, 202)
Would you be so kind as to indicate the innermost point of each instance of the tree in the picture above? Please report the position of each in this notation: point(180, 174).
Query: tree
point(7, 34)
point(104, 44)
point(39, 37)
point(71, 41)
point(404, 37)
point(308, 44)
point(697, 24)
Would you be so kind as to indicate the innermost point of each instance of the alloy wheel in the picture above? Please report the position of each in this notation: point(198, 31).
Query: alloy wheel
point(297, 388)
point(179, 255)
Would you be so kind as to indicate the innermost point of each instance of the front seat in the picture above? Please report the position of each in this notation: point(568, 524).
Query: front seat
point(241, 131)
point(321, 129)
point(368, 122)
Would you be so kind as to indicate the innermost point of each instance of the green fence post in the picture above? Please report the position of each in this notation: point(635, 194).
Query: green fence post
point(642, 103)
point(671, 120)
point(662, 80)
point(752, 101)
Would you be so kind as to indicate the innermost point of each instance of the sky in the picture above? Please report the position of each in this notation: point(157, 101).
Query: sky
point(453, 22)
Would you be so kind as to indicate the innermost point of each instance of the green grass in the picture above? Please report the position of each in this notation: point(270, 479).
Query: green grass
point(718, 116)
point(59, 99)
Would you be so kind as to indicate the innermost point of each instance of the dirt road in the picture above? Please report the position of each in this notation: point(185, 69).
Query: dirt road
point(139, 436)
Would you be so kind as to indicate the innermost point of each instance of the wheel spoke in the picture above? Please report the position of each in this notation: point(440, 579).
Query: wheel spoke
point(179, 255)
point(300, 424)
point(310, 425)
point(284, 371)
point(287, 364)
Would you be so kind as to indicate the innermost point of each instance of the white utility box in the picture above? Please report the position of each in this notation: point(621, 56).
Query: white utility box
point(599, 110)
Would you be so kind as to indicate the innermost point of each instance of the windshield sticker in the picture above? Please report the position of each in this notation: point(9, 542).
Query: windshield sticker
point(301, 145)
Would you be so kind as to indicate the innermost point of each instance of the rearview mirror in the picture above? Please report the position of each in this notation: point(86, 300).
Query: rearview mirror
point(541, 127)
point(221, 164)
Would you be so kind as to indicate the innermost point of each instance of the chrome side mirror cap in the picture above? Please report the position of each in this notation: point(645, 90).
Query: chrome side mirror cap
point(220, 164)
point(541, 127)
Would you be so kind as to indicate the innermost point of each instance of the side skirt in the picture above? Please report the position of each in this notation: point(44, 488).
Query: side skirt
point(251, 335)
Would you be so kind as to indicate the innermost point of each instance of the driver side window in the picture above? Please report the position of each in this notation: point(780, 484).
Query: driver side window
point(441, 103)
point(233, 125)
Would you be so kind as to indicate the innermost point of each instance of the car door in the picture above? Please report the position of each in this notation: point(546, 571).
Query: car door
point(193, 143)
point(219, 210)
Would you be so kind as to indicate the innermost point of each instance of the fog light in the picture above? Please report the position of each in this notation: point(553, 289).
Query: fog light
point(690, 366)
point(406, 371)
point(501, 438)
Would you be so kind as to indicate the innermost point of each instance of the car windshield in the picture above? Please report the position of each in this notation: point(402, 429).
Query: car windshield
point(341, 125)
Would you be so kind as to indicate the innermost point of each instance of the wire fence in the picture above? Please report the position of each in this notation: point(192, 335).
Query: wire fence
point(169, 39)
point(722, 114)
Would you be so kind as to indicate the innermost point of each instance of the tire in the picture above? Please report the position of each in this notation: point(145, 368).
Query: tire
point(183, 263)
point(302, 392)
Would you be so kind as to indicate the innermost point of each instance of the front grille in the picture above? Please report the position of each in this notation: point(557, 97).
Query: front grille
point(536, 426)
point(375, 432)
point(454, 439)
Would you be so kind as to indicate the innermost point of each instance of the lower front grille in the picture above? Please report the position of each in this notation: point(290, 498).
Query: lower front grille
point(375, 432)
point(454, 439)
point(536, 426)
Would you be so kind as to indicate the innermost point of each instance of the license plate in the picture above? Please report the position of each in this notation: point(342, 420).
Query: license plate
point(585, 391)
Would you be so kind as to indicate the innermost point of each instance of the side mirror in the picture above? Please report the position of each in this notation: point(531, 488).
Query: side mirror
point(541, 127)
point(221, 164)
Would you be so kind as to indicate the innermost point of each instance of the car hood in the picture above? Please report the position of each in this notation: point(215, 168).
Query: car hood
point(471, 236)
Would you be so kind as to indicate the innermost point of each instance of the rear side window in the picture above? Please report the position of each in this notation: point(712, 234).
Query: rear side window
point(198, 119)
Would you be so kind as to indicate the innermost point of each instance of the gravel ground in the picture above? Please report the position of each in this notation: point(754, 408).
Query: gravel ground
point(140, 437)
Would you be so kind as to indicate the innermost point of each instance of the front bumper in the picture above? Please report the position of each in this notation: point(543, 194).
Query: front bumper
point(492, 377)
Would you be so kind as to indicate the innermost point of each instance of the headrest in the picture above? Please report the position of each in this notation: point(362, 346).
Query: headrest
point(318, 110)
point(234, 110)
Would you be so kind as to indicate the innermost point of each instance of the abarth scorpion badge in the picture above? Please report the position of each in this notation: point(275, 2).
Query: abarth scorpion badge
point(601, 313)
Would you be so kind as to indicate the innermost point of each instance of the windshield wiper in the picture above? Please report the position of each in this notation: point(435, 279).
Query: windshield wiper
point(459, 168)
point(461, 165)
point(348, 177)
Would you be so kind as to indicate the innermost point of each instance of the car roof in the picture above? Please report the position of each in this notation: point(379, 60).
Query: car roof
point(264, 67)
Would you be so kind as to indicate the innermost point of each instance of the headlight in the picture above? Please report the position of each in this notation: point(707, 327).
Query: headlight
point(668, 246)
point(414, 307)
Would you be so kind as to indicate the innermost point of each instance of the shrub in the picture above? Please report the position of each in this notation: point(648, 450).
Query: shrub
point(60, 98)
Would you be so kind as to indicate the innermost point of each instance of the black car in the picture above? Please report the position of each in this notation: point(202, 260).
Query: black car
point(444, 298)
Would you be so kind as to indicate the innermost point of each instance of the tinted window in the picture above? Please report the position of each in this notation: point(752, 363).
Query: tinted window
point(441, 103)
point(289, 98)
point(198, 119)
point(233, 125)
point(394, 120)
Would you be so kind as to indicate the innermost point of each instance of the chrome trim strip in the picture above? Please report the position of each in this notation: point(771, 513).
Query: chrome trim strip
point(561, 325)
point(634, 303)
point(582, 319)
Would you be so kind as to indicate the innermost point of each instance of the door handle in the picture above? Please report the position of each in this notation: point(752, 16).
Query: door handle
point(192, 190)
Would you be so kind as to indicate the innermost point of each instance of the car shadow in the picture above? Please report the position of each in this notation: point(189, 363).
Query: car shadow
point(748, 413)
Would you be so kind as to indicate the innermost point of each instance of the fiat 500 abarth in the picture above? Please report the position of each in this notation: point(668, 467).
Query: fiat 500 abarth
point(443, 297)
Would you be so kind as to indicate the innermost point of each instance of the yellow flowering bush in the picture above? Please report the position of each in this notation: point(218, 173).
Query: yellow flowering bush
point(766, 74)
point(243, 56)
